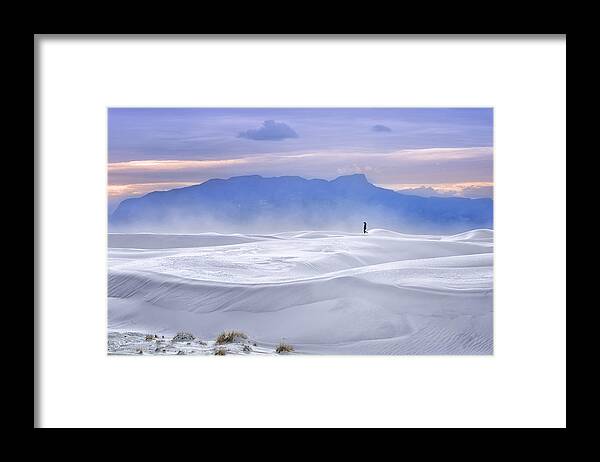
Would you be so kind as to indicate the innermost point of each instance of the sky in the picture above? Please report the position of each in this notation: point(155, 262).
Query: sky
point(426, 151)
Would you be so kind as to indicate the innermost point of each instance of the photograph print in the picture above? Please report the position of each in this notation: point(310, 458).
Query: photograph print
point(300, 231)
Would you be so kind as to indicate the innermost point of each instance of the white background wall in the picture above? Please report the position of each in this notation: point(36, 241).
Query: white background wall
point(523, 384)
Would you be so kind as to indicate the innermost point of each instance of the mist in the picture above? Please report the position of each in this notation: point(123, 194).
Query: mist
point(253, 204)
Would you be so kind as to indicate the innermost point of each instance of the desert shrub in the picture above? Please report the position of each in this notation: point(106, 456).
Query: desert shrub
point(284, 348)
point(230, 337)
point(183, 337)
point(220, 352)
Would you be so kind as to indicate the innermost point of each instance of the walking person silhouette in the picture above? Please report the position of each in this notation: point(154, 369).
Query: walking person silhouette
point(364, 227)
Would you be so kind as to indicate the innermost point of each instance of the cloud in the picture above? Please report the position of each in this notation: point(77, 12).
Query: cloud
point(456, 171)
point(165, 165)
point(381, 128)
point(270, 130)
point(473, 190)
point(136, 189)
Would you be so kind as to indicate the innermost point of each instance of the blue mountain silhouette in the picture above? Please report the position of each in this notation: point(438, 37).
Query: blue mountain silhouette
point(258, 204)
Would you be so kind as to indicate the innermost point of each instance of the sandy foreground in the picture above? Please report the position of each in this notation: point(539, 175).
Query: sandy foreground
point(322, 292)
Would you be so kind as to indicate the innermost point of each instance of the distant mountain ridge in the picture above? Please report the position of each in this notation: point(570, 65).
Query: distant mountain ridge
point(257, 204)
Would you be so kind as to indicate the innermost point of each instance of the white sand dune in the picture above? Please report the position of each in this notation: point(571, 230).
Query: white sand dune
point(323, 292)
point(168, 241)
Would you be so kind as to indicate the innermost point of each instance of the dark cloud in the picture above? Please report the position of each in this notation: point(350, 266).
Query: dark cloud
point(381, 128)
point(270, 130)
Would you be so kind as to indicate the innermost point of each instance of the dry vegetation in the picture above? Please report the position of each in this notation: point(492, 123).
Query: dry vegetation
point(230, 337)
point(284, 348)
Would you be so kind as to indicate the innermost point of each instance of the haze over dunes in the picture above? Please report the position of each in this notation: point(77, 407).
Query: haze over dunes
point(266, 205)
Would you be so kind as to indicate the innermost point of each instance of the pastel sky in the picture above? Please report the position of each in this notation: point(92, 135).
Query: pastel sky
point(431, 151)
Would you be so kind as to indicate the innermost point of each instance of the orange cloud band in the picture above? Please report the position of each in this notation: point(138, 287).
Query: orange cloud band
point(166, 165)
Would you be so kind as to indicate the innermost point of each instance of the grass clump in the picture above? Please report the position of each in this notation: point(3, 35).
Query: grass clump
point(284, 348)
point(220, 352)
point(230, 337)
